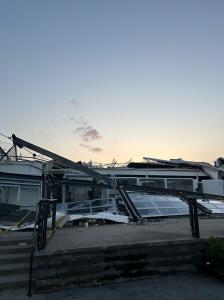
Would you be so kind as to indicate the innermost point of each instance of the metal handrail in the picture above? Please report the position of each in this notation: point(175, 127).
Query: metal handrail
point(33, 249)
point(40, 232)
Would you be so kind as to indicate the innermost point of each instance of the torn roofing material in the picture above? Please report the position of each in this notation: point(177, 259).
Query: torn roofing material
point(212, 171)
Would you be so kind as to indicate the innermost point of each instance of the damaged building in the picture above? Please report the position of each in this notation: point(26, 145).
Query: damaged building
point(92, 189)
point(20, 182)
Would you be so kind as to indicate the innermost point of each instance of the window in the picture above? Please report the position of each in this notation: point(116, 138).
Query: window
point(180, 184)
point(9, 194)
point(153, 182)
point(29, 196)
point(127, 181)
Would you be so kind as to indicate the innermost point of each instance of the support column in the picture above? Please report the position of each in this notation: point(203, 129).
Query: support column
point(63, 193)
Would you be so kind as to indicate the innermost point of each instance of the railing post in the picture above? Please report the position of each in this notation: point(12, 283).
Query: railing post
point(193, 214)
point(47, 209)
point(42, 224)
point(53, 216)
point(34, 245)
point(196, 223)
point(46, 215)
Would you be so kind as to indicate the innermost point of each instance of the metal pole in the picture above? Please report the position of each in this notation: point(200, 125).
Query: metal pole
point(46, 214)
point(195, 215)
point(53, 216)
point(191, 217)
point(131, 208)
point(15, 148)
point(40, 225)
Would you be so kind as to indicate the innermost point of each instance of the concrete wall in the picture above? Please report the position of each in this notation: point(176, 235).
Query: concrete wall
point(92, 266)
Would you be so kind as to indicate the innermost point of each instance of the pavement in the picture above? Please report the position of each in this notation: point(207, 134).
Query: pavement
point(166, 230)
point(180, 286)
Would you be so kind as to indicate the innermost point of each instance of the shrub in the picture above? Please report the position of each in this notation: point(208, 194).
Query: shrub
point(216, 256)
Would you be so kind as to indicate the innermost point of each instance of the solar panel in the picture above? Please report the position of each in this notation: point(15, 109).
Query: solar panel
point(158, 205)
point(217, 207)
point(161, 205)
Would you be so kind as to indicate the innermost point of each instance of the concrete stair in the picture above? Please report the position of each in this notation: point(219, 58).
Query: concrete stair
point(14, 261)
point(92, 266)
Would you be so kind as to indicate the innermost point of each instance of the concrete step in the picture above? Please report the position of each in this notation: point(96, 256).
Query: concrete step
point(14, 241)
point(14, 258)
point(18, 248)
point(124, 266)
point(123, 256)
point(14, 281)
point(14, 268)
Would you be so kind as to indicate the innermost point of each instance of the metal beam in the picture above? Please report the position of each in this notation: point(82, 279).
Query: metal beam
point(137, 188)
point(80, 183)
point(172, 192)
point(130, 206)
point(64, 161)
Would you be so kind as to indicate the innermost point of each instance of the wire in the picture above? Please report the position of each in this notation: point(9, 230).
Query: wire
point(28, 150)
point(37, 157)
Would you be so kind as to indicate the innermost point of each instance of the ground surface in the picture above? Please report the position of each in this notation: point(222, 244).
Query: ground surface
point(194, 286)
point(176, 287)
point(127, 234)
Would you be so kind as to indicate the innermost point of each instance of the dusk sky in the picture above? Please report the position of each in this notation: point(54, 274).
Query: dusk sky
point(99, 79)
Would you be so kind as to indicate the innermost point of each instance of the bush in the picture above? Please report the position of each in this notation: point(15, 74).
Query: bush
point(215, 263)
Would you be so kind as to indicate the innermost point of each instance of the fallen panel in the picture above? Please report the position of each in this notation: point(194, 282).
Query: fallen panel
point(100, 216)
point(217, 207)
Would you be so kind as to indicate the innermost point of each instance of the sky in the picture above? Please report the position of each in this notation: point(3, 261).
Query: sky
point(101, 79)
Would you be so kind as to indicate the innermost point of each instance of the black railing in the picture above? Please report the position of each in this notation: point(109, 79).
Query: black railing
point(33, 249)
point(193, 214)
point(47, 210)
point(44, 228)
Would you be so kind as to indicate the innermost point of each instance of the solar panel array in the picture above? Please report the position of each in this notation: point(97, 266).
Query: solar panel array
point(158, 205)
